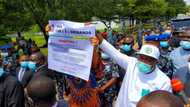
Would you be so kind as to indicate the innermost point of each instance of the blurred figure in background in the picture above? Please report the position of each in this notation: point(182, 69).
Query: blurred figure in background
point(108, 86)
point(105, 34)
point(140, 37)
point(112, 37)
point(180, 57)
point(11, 91)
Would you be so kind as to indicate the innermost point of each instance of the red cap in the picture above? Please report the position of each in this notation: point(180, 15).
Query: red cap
point(177, 85)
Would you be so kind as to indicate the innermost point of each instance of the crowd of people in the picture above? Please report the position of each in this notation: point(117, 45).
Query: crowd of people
point(122, 74)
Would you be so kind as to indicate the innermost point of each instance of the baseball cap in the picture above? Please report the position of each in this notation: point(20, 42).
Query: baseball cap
point(152, 37)
point(164, 36)
point(150, 50)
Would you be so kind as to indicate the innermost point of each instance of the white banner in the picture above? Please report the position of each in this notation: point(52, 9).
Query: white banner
point(69, 48)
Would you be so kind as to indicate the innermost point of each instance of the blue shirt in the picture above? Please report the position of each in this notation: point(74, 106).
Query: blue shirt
point(112, 38)
point(180, 57)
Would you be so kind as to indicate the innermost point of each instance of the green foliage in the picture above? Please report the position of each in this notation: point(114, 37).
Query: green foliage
point(34, 28)
point(178, 5)
point(23, 15)
point(4, 40)
point(14, 17)
point(150, 9)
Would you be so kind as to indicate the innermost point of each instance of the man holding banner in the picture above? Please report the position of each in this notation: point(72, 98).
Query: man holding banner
point(68, 54)
point(142, 75)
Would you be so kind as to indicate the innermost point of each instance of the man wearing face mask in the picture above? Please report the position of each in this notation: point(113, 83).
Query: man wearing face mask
point(142, 75)
point(38, 65)
point(11, 91)
point(164, 43)
point(180, 58)
point(127, 46)
point(24, 74)
point(165, 63)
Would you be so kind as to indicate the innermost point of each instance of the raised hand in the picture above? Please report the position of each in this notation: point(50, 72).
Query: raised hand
point(94, 41)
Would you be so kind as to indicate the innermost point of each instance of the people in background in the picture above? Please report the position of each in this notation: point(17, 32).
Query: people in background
point(180, 57)
point(11, 91)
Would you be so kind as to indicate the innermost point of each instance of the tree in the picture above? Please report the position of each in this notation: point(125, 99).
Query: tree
point(150, 9)
point(125, 9)
point(170, 12)
point(19, 15)
point(42, 11)
point(14, 17)
point(104, 10)
point(176, 7)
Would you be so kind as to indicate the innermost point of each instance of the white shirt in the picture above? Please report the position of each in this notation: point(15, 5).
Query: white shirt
point(134, 82)
point(21, 74)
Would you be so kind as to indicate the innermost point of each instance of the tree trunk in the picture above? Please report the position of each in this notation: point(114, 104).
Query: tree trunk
point(42, 28)
point(19, 34)
point(109, 25)
point(104, 22)
point(38, 21)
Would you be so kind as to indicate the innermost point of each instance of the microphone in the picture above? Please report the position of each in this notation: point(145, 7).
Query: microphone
point(178, 86)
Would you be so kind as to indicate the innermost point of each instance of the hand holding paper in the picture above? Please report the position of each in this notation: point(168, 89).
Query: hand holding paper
point(96, 40)
point(69, 48)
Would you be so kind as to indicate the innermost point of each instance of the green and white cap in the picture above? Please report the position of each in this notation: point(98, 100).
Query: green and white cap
point(151, 51)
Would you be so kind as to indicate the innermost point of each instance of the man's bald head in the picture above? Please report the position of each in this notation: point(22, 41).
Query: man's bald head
point(42, 89)
point(160, 99)
point(38, 57)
